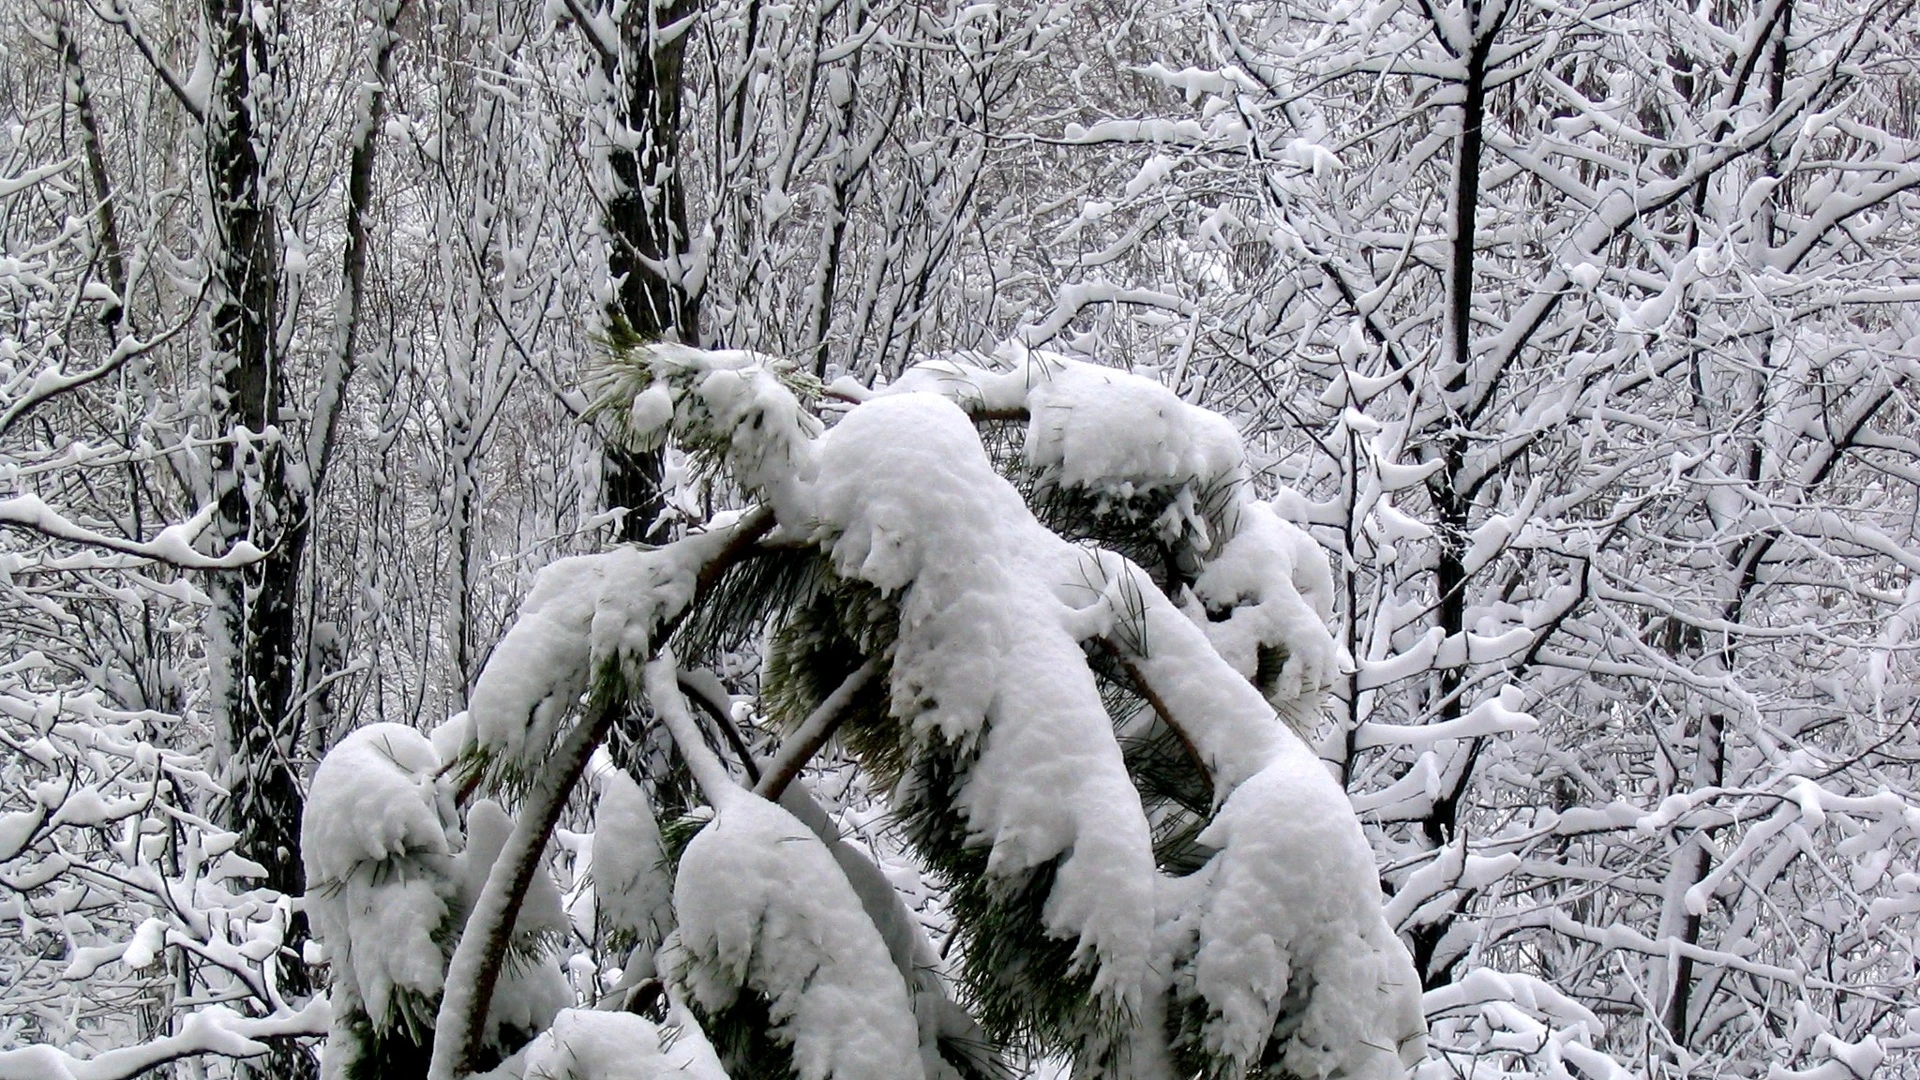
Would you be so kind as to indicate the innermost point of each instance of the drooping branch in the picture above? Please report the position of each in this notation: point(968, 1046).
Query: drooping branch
point(663, 693)
point(475, 968)
point(1160, 708)
point(45, 389)
point(701, 691)
point(477, 959)
point(812, 734)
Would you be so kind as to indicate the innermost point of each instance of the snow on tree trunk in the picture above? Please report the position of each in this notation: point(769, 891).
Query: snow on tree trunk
point(252, 625)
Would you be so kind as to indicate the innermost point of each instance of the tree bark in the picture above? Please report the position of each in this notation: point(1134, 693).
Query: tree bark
point(1453, 504)
point(253, 622)
point(646, 223)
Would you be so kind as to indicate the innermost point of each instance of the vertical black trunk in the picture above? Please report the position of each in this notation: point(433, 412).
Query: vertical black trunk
point(80, 96)
point(646, 221)
point(1745, 564)
point(254, 631)
point(1452, 504)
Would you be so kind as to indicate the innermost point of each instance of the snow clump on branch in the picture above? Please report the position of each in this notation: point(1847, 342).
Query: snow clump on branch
point(1280, 934)
point(763, 906)
point(374, 822)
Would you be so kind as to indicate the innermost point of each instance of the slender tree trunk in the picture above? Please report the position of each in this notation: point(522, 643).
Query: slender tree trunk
point(253, 609)
point(1694, 860)
point(369, 110)
point(646, 222)
point(326, 649)
point(1452, 504)
point(80, 97)
point(253, 622)
point(1689, 868)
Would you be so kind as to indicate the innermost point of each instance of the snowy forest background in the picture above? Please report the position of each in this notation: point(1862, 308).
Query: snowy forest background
point(1583, 338)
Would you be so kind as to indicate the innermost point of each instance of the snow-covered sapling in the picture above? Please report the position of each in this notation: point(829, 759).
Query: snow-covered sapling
point(1093, 757)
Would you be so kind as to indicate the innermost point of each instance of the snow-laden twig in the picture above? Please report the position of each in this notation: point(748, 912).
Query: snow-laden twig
point(213, 1030)
point(173, 545)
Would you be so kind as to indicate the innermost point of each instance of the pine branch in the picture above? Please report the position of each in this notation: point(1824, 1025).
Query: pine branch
point(812, 734)
point(476, 963)
point(670, 705)
point(723, 721)
point(1152, 697)
point(477, 960)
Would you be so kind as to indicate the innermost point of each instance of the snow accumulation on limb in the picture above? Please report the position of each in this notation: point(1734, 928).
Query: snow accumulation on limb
point(630, 883)
point(216, 1029)
point(584, 617)
point(375, 838)
point(988, 660)
point(386, 881)
point(1111, 433)
point(762, 905)
point(1264, 585)
point(946, 1029)
point(586, 1045)
point(1280, 934)
point(173, 544)
point(582, 614)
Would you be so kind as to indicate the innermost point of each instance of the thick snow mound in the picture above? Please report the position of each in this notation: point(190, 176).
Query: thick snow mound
point(1092, 426)
point(373, 797)
point(632, 884)
point(386, 883)
point(1271, 587)
point(581, 613)
point(1096, 427)
point(989, 656)
point(375, 838)
point(587, 1045)
point(763, 906)
point(1289, 920)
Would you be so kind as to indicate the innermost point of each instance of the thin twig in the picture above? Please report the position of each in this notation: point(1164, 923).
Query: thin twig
point(723, 720)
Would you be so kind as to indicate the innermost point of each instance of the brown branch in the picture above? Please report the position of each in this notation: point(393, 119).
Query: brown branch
point(812, 734)
point(1161, 709)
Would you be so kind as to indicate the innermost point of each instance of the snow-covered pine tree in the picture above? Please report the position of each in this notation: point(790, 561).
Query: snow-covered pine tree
point(1040, 609)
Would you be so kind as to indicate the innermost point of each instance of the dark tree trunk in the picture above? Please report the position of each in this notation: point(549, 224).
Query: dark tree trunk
point(646, 221)
point(253, 633)
point(1453, 504)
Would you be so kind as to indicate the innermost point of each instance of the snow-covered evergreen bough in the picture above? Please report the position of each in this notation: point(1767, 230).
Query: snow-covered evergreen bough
point(1036, 601)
